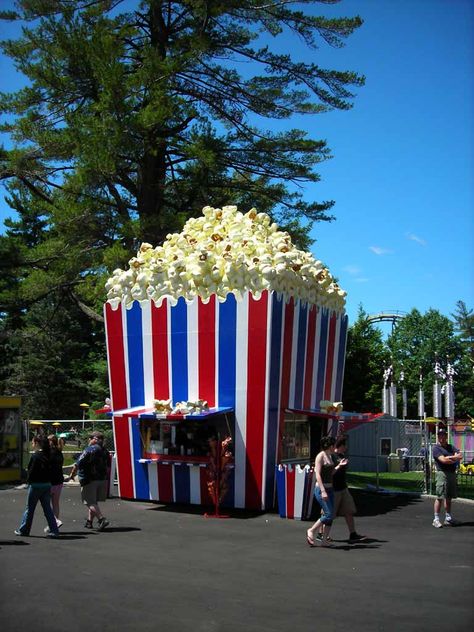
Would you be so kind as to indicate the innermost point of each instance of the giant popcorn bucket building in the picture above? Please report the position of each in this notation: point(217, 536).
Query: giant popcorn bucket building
point(253, 357)
point(257, 357)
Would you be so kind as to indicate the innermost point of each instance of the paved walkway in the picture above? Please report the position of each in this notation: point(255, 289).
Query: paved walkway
point(171, 569)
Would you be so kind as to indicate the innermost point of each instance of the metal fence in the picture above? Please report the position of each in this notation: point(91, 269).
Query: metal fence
point(397, 455)
point(74, 433)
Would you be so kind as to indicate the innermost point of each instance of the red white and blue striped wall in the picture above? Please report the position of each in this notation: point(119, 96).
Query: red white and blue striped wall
point(257, 356)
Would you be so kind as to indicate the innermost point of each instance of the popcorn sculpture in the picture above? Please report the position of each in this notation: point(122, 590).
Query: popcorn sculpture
point(227, 312)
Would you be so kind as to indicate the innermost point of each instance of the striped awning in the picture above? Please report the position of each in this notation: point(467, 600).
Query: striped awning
point(149, 413)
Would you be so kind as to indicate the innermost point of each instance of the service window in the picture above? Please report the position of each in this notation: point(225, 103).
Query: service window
point(295, 440)
point(186, 438)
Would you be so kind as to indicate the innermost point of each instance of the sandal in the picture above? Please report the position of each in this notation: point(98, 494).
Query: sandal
point(309, 539)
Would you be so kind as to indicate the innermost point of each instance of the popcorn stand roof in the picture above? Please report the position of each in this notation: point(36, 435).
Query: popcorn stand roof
point(227, 312)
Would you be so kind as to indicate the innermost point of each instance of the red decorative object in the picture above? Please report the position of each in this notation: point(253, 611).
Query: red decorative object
point(218, 473)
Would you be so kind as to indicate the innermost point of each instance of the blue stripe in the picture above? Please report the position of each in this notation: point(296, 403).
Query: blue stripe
point(322, 344)
point(227, 352)
point(300, 355)
point(340, 357)
point(135, 355)
point(179, 351)
point(142, 485)
point(281, 491)
point(182, 483)
point(273, 398)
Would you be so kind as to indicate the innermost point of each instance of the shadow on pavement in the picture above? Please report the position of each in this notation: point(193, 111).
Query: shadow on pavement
point(197, 510)
point(13, 543)
point(374, 504)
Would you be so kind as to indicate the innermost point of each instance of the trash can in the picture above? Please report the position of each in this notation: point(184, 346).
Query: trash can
point(393, 463)
point(295, 491)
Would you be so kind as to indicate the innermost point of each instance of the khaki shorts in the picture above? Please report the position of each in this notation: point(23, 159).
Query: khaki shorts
point(344, 503)
point(446, 485)
point(94, 492)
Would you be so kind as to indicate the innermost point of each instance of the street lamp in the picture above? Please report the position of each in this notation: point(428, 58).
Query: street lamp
point(85, 408)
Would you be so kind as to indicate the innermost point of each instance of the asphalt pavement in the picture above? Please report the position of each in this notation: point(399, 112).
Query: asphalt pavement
point(170, 568)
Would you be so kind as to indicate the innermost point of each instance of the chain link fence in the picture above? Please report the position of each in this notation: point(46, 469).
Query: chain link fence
point(396, 455)
point(73, 432)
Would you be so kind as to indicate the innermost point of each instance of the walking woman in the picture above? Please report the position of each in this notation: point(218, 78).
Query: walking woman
point(39, 481)
point(57, 477)
point(324, 468)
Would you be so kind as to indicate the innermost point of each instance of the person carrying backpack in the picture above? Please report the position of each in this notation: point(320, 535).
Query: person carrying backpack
point(91, 467)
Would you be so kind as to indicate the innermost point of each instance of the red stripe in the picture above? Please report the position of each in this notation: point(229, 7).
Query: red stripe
point(256, 378)
point(207, 350)
point(124, 457)
point(285, 368)
point(203, 480)
point(165, 483)
point(330, 357)
point(115, 350)
point(308, 374)
point(290, 492)
point(159, 328)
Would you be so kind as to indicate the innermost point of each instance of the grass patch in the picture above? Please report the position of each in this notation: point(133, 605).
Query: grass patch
point(406, 482)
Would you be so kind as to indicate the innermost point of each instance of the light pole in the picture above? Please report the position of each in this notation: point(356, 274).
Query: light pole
point(85, 408)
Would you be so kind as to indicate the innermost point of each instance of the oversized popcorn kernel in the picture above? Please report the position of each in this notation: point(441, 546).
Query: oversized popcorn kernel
point(224, 251)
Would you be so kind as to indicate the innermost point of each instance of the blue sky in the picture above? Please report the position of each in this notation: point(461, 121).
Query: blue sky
point(402, 167)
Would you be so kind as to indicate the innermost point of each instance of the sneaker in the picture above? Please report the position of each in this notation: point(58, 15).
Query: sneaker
point(52, 535)
point(437, 523)
point(18, 532)
point(88, 524)
point(58, 524)
point(450, 523)
point(356, 537)
point(320, 538)
point(103, 522)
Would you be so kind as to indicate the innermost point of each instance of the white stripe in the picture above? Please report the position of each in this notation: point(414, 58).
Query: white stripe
point(281, 418)
point(317, 342)
point(300, 477)
point(147, 354)
point(294, 353)
point(193, 350)
point(194, 485)
point(113, 472)
point(336, 355)
point(125, 353)
point(269, 327)
point(242, 351)
point(153, 480)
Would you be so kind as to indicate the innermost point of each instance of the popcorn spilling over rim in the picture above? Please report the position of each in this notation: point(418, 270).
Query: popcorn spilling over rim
point(164, 407)
point(224, 251)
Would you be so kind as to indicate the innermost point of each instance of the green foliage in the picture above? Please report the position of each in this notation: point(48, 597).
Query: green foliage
point(365, 359)
point(134, 117)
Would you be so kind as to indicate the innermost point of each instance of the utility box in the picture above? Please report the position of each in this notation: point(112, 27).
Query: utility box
point(393, 463)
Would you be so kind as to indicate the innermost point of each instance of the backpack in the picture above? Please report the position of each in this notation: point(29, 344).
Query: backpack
point(95, 464)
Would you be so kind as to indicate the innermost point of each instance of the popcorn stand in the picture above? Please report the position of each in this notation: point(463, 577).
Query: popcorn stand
point(213, 339)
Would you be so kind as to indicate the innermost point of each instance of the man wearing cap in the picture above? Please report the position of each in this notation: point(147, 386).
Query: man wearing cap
point(446, 458)
point(92, 469)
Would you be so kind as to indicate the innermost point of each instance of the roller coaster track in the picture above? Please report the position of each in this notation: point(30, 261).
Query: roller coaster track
point(388, 316)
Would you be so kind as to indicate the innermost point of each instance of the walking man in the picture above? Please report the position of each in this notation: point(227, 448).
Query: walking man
point(446, 458)
point(92, 467)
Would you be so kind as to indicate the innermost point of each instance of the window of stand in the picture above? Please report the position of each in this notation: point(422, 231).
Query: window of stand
point(296, 438)
point(184, 439)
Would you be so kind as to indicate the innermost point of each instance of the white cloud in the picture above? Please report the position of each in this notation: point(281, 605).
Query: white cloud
point(418, 240)
point(379, 251)
point(352, 270)
point(361, 280)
